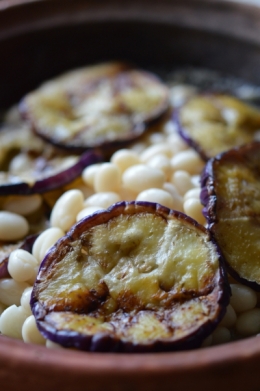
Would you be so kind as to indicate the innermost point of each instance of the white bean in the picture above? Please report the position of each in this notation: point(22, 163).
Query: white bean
point(220, 335)
point(176, 143)
point(103, 199)
point(65, 210)
point(22, 205)
point(11, 291)
point(13, 226)
point(243, 298)
point(170, 128)
point(156, 195)
point(52, 345)
point(22, 265)
point(248, 323)
point(25, 300)
point(189, 161)
point(11, 321)
point(88, 211)
point(157, 149)
point(182, 181)
point(230, 317)
point(177, 199)
point(156, 138)
point(107, 178)
point(45, 241)
point(141, 177)
point(125, 158)
point(162, 163)
point(89, 173)
point(30, 332)
point(193, 208)
point(192, 193)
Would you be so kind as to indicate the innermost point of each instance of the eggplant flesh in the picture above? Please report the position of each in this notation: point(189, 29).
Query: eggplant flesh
point(137, 277)
point(97, 106)
point(215, 123)
point(231, 194)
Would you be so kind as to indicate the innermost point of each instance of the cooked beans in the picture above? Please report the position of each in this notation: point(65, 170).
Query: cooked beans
point(65, 210)
point(103, 199)
point(221, 335)
point(125, 158)
point(23, 205)
point(13, 226)
point(182, 181)
point(107, 178)
point(189, 161)
point(11, 291)
point(11, 321)
point(248, 323)
point(156, 195)
point(45, 240)
point(30, 332)
point(192, 207)
point(25, 300)
point(141, 177)
point(243, 298)
point(22, 265)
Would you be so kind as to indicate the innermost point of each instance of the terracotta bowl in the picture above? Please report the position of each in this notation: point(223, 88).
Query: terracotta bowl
point(40, 39)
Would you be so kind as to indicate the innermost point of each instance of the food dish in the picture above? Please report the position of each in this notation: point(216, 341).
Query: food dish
point(161, 364)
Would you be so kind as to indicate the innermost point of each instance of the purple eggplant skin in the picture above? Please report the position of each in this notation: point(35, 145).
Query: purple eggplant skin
point(105, 341)
point(210, 200)
point(26, 245)
point(185, 135)
point(54, 181)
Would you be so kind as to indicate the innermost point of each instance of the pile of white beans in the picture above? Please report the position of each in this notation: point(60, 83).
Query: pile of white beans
point(160, 168)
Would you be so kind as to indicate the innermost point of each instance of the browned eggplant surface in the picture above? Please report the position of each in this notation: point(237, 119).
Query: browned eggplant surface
point(136, 277)
point(98, 106)
point(231, 193)
point(216, 123)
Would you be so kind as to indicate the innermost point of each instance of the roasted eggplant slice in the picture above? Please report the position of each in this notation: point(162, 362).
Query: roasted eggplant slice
point(212, 124)
point(136, 277)
point(7, 248)
point(105, 106)
point(28, 165)
point(231, 196)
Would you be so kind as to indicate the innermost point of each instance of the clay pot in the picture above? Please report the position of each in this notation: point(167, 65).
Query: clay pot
point(39, 40)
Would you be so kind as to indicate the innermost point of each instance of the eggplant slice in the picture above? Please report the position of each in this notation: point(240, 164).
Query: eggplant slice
point(137, 277)
point(231, 196)
point(107, 106)
point(215, 123)
point(28, 165)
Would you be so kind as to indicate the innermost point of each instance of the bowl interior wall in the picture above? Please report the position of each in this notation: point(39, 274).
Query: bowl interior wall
point(31, 58)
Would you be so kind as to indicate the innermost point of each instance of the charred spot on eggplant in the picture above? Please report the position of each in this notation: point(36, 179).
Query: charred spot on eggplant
point(231, 194)
point(215, 123)
point(137, 277)
point(107, 106)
